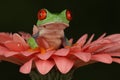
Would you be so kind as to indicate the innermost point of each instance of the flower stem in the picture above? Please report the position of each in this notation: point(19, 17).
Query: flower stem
point(54, 74)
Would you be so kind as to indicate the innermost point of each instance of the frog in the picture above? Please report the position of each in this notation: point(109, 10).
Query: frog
point(50, 27)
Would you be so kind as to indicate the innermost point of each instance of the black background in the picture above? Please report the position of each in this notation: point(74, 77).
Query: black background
point(89, 16)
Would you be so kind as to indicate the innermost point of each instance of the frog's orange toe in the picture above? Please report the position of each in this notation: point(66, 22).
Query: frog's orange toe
point(42, 50)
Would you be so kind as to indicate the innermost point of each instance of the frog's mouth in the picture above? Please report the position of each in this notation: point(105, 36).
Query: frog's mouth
point(55, 25)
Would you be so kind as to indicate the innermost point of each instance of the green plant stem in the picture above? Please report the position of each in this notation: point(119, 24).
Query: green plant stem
point(54, 74)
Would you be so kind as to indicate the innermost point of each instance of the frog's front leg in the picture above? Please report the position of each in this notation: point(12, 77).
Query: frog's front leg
point(66, 42)
point(37, 41)
point(35, 35)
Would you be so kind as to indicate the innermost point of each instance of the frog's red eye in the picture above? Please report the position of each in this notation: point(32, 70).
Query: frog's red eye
point(42, 14)
point(68, 15)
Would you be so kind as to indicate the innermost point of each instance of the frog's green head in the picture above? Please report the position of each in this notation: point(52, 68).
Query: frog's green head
point(47, 18)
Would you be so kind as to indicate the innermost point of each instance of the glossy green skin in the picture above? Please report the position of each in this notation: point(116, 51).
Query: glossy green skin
point(32, 43)
point(52, 18)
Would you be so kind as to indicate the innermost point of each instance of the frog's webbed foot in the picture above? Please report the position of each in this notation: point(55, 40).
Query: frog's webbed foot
point(32, 43)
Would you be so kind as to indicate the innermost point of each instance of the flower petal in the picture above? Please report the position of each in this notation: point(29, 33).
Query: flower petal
point(82, 40)
point(117, 54)
point(18, 38)
point(114, 37)
point(45, 56)
point(26, 68)
point(4, 37)
point(25, 35)
point(63, 64)
point(105, 58)
point(117, 60)
point(3, 50)
point(90, 39)
point(102, 36)
point(11, 59)
point(106, 47)
point(29, 52)
point(15, 46)
point(97, 45)
point(83, 56)
point(10, 53)
point(62, 52)
point(113, 48)
point(44, 66)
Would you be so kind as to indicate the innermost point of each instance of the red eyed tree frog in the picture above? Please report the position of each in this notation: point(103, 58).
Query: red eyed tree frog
point(51, 28)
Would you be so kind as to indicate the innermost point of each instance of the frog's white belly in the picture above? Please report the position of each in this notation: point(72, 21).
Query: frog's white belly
point(53, 37)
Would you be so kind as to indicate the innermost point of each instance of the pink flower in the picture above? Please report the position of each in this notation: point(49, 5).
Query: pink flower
point(11, 45)
point(104, 49)
point(45, 61)
point(15, 49)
